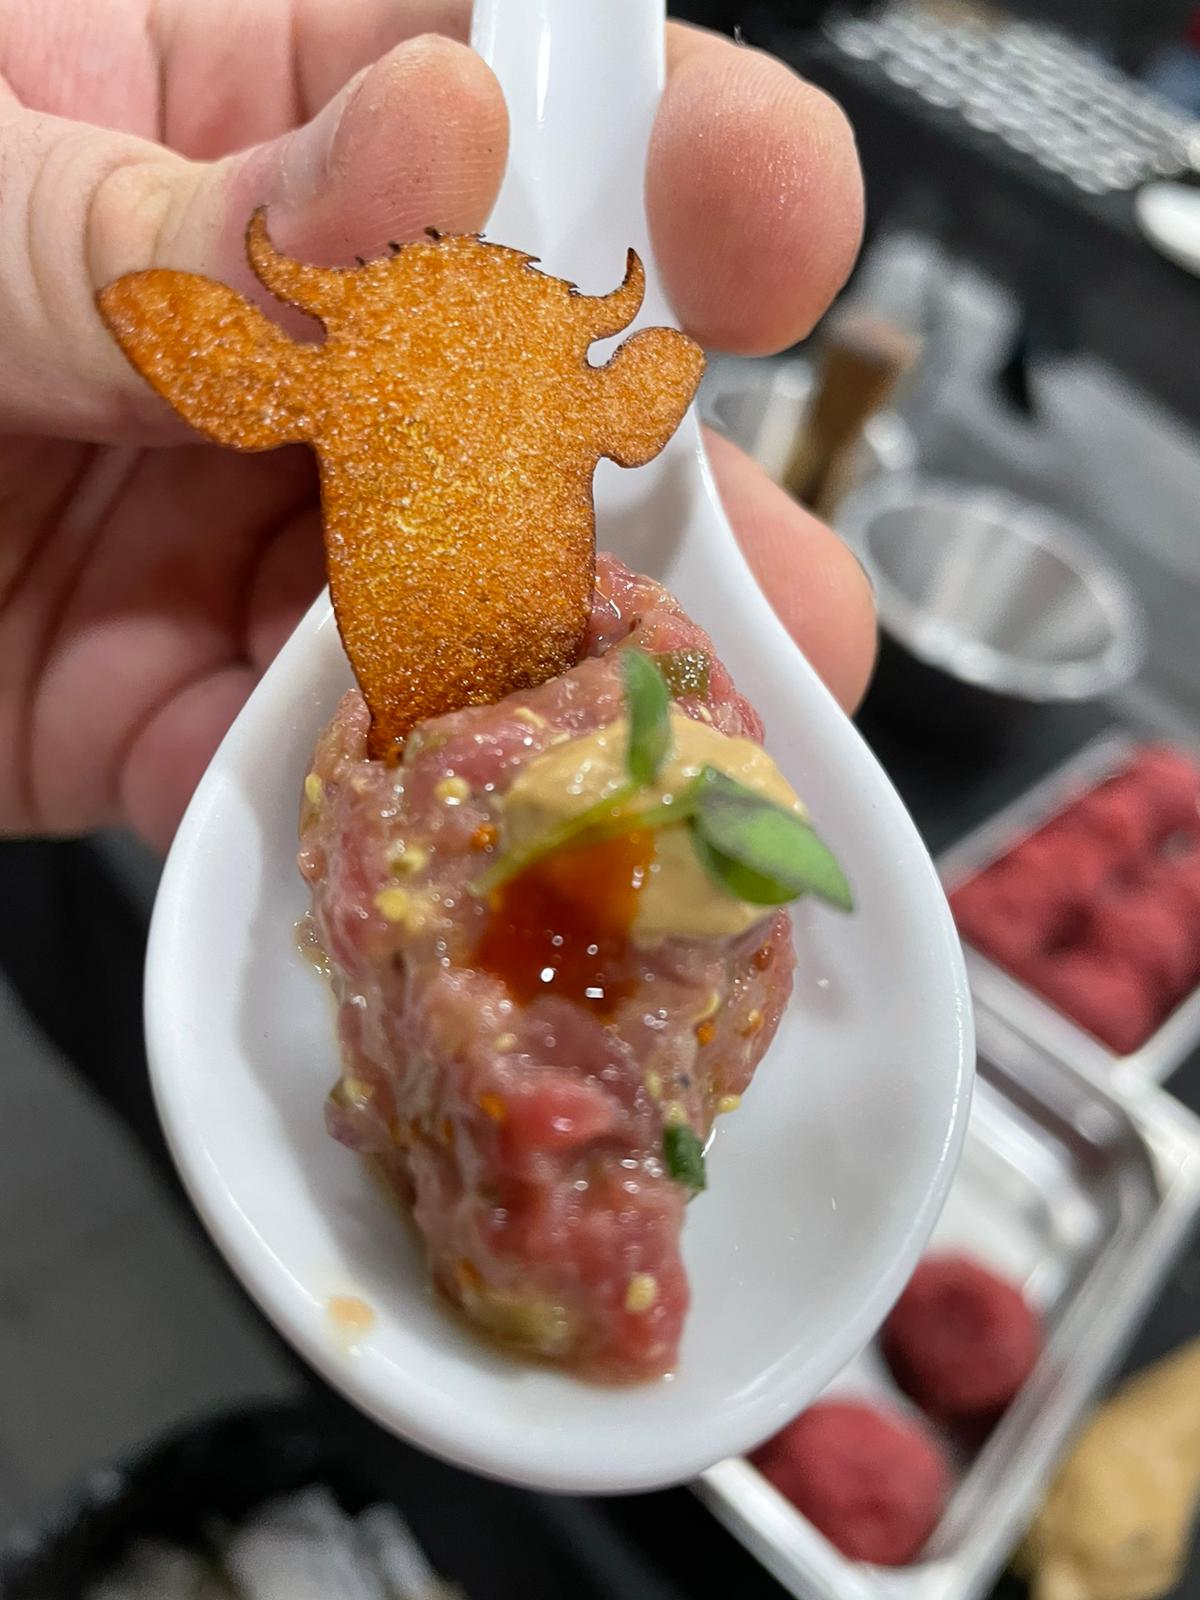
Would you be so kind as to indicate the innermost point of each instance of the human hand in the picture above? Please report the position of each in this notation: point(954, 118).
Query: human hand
point(146, 580)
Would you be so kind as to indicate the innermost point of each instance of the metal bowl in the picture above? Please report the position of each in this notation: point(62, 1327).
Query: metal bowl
point(993, 593)
point(760, 405)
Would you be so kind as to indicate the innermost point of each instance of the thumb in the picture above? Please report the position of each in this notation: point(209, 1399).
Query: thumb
point(418, 139)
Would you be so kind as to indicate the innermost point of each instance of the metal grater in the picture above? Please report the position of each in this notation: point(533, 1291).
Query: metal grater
point(1032, 87)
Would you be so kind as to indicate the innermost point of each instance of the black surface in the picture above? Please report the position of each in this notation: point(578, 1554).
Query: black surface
point(490, 1539)
point(72, 947)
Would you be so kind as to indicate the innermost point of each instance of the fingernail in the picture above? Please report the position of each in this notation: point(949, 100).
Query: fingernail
point(306, 161)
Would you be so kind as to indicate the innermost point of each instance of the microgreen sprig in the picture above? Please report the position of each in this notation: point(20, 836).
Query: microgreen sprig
point(759, 851)
point(648, 703)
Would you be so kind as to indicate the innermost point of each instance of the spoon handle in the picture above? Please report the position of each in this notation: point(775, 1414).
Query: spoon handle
point(582, 79)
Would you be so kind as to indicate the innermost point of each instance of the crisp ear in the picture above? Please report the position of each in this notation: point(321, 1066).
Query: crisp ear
point(643, 393)
point(225, 367)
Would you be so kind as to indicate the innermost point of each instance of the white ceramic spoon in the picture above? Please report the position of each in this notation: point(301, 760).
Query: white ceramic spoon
point(824, 1187)
point(1169, 216)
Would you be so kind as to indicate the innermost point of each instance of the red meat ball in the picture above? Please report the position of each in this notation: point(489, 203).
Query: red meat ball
point(1176, 879)
point(1157, 937)
point(1072, 864)
point(1120, 817)
point(1169, 783)
point(1106, 995)
point(1008, 915)
point(960, 1340)
point(872, 1481)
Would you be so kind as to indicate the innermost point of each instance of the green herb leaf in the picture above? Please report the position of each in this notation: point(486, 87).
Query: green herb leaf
point(684, 1156)
point(684, 671)
point(649, 705)
point(760, 851)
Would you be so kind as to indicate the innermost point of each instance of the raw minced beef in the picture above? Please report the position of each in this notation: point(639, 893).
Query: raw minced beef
point(525, 1122)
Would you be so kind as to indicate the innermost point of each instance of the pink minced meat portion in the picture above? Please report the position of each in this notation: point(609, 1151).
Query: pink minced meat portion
point(528, 1138)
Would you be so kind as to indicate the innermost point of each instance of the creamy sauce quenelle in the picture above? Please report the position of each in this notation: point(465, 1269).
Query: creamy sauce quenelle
point(678, 898)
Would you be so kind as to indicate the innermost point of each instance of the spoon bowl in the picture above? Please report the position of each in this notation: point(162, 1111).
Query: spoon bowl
point(824, 1187)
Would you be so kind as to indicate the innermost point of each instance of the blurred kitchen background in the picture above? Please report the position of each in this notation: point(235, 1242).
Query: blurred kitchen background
point(1003, 414)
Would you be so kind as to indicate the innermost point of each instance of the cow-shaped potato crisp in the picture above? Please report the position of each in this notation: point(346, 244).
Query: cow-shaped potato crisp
point(457, 421)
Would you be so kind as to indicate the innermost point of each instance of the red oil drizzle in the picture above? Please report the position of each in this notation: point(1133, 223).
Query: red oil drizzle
point(562, 926)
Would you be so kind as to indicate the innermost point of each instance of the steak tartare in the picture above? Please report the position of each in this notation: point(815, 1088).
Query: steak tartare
point(530, 1068)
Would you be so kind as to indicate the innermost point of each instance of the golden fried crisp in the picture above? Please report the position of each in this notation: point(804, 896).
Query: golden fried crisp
point(457, 421)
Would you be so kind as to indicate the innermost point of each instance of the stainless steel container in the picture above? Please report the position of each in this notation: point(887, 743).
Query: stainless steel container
point(1083, 1191)
point(760, 405)
point(987, 603)
point(998, 990)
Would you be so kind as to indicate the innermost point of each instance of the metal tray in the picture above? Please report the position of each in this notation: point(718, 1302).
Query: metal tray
point(1083, 1192)
point(997, 989)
